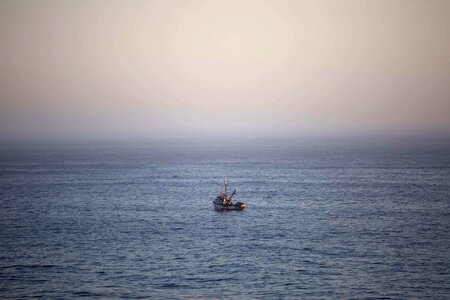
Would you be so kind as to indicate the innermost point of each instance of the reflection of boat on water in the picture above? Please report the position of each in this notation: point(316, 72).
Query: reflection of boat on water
point(223, 202)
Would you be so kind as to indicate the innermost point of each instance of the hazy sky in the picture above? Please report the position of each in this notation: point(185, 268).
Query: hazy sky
point(223, 68)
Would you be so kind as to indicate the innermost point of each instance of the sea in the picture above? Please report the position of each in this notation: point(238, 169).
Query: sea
point(326, 218)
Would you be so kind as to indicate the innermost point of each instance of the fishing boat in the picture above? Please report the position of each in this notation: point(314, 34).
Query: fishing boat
point(223, 202)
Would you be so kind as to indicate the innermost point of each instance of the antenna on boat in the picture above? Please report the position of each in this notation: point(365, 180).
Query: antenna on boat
point(225, 186)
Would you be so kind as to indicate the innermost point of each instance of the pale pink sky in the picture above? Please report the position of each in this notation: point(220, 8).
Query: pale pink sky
point(223, 68)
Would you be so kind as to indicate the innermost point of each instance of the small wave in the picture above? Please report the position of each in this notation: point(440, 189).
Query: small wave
point(172, 286)
point(29, 267)
point(87, 294)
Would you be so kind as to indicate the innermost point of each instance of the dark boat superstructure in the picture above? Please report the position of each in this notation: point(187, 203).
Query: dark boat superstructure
point(223, 202)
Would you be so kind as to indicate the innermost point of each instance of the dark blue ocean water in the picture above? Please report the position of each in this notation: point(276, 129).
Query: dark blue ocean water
point(325, 219)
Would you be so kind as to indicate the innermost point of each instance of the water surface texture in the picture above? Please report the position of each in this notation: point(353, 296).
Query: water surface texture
point(323, 220)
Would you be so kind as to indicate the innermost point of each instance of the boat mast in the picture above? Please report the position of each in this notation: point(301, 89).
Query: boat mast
point(225, 185)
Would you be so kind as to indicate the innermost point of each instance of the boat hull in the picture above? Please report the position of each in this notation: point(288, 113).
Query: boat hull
point(237, 206)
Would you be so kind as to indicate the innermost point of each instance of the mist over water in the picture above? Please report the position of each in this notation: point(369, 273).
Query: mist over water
point(342, 218)
point(187, 68)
